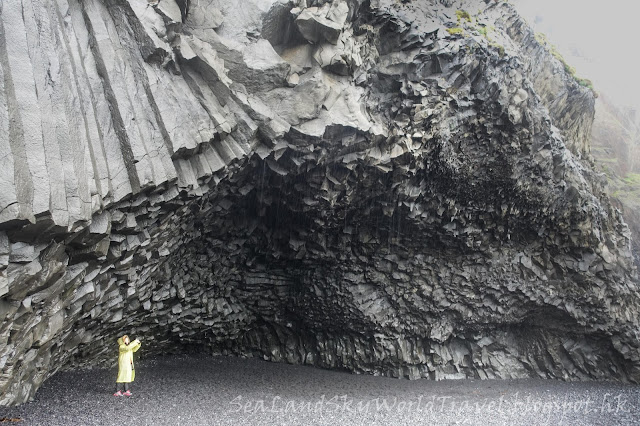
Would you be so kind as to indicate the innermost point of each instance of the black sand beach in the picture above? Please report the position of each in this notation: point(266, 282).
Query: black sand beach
point(204, 390)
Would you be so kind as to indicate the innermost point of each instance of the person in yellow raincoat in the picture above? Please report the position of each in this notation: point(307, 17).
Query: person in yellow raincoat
point(126, 370)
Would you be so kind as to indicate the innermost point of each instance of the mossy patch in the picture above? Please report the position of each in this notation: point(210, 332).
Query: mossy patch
point(463, 14)
point(584, 82)
point(485, 30)
point(632, 179)
point(498, 47)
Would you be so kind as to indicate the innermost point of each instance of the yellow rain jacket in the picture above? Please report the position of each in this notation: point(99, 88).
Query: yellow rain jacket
point(126, 372)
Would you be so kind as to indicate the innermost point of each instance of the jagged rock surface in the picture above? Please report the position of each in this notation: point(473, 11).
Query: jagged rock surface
point(338, 183)
point(615, 148)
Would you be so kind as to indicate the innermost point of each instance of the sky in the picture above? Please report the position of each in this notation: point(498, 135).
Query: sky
point(599, 38)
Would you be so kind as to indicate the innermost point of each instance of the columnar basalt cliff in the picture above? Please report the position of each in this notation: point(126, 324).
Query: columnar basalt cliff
point(387, 187)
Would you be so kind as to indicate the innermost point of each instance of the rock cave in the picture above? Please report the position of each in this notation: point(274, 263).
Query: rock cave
point(379, 186)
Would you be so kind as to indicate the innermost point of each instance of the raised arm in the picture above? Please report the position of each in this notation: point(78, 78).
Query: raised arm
point(135, 345)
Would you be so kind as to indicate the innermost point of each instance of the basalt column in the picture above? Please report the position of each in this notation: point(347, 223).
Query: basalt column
point(394, 188)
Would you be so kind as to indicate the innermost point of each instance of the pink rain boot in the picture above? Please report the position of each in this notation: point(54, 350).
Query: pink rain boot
point(127, 393)
point(117, 393)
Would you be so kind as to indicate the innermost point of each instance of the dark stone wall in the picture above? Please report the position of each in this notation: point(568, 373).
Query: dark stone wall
point(368, 192)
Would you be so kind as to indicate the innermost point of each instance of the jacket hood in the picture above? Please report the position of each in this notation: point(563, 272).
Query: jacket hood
point(120, 341)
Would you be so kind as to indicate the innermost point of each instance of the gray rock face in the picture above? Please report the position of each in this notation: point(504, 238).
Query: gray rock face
point(570, 106)
point(344, 184)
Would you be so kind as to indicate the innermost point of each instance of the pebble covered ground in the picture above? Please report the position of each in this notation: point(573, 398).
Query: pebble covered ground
point(220, 390)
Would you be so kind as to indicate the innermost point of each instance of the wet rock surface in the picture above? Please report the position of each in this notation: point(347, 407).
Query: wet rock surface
point(345, 184)
point(202, 390)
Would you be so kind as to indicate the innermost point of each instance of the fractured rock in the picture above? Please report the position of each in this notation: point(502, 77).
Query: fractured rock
point(324, 23)
point(364, 191)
